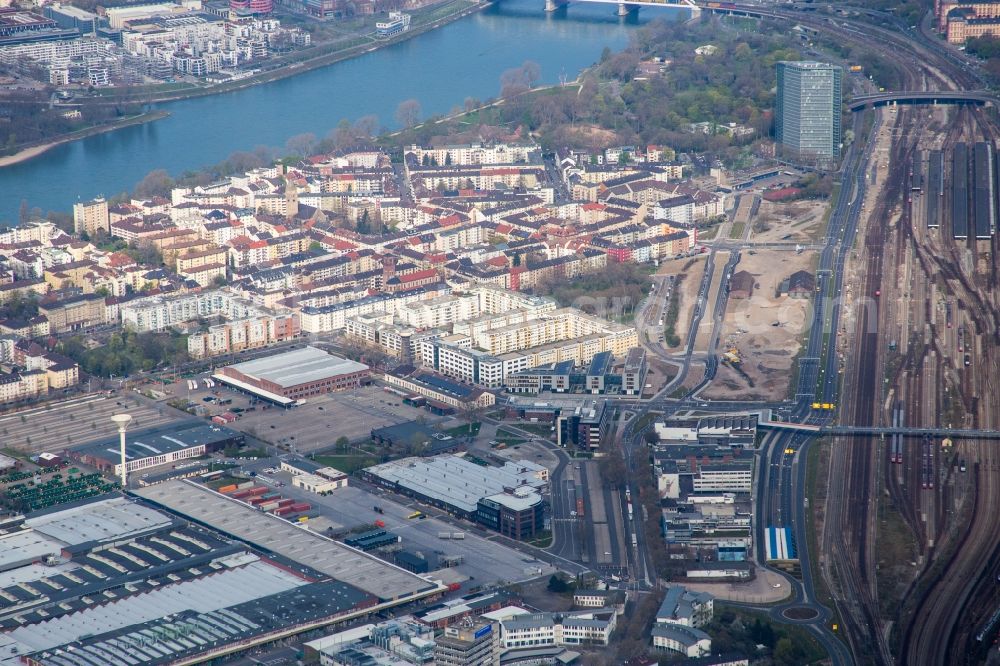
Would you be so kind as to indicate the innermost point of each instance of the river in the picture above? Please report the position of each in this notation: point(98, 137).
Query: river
point(439, 68)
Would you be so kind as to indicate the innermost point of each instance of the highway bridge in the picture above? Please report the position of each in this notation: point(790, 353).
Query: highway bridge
point(978, 97)
point(626, 6)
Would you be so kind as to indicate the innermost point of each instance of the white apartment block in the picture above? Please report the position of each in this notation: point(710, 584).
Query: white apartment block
point(464, 155)
point(556, 326)
point(440, 312)
point(333, 317)
point(156, 313)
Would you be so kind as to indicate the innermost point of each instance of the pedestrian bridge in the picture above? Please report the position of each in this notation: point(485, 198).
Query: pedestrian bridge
point(817, 429)
point(978, 97)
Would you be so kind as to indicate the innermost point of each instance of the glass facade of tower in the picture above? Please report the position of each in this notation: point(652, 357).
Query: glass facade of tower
point(807, 117)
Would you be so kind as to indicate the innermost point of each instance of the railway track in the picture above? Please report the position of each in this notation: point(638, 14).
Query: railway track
point(942, 618)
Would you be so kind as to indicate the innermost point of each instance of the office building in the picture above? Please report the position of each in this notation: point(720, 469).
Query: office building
point(807, 117)
point(472, 643)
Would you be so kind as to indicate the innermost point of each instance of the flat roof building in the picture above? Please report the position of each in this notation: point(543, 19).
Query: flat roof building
point(156, 446)
point(390, 584)
point(116, 582)
point(288, 376)
point(473, 643)
point(507, 499)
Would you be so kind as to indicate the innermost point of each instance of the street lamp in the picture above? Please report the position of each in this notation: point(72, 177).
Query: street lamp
point(122, 421)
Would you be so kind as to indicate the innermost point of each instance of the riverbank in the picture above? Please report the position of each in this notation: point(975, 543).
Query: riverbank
point(292, 68)
point(37, 149)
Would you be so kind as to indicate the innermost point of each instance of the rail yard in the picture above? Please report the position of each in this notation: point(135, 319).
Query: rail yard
point(924, 335)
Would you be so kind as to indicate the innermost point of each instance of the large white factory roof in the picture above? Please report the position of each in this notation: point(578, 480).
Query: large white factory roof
point(106, 520)
point(228, 588)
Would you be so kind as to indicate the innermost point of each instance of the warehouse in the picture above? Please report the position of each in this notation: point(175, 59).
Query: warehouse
point(507, 499)
point(156, 446)
point(391, 585)
point(116, 582)
point(284, 378)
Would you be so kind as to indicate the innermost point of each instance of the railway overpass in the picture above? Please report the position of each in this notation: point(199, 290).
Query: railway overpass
point(978, 97)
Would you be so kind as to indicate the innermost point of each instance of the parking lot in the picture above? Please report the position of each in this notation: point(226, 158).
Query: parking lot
point(62, 425)
point(485, 560)
point(319, 423)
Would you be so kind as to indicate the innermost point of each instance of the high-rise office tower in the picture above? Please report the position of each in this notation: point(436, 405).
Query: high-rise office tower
point(807, 113)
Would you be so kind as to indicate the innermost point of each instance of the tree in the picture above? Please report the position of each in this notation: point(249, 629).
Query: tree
point(365, 127)
point(301, 145)
point(651, 437)
point(61, 219)
point(786, 653)
point(23, 212)
point(408, 113)
point(613, 469)
point(532, 72)
point(342, 443)
point(558, 585)
point(156, 183)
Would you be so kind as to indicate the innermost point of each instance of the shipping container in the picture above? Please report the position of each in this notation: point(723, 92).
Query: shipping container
point(268, 506)
point(258, 491)
point(241, 494)
point(288, 501)
point(284, 511)
point(302, 506)
point(257, 501)
point(245, 484)
point(228, 489)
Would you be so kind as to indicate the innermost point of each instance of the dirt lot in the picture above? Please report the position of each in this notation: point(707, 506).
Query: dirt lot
point(795, 222)
point(692, 269)
point(767, 352)
point(62, 425)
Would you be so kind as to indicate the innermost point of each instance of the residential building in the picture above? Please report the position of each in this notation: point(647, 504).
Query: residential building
point(89, 217)
point(235, 336)
point(807, 119)
point(74, 313)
